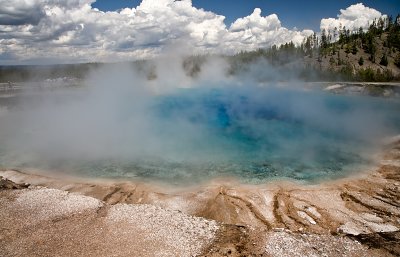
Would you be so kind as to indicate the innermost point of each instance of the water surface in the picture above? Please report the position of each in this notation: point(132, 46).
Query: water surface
point(190, 136)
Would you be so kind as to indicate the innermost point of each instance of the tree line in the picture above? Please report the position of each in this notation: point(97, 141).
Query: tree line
point(333, 48)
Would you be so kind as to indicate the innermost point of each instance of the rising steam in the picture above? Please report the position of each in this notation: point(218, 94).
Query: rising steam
point(172, 111)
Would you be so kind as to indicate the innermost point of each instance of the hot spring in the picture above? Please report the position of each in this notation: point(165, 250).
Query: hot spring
point(190, 136)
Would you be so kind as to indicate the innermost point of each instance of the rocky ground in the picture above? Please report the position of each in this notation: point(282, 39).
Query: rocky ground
point(358, 216)
point(51, 222)
point(389, 90)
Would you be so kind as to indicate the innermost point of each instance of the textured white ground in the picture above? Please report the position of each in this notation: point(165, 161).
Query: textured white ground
point(51, 222)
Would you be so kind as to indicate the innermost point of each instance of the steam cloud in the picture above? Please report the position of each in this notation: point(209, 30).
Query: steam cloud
point(121, 115)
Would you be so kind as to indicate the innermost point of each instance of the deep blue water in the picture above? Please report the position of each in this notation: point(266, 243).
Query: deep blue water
point(252, 134)
point(257, 134)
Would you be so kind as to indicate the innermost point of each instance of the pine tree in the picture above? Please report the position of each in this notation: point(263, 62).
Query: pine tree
point(324, 39)
point(347, 50)
point(361, 61)
point(384, 60)
point(372, 51)
point(354, 48)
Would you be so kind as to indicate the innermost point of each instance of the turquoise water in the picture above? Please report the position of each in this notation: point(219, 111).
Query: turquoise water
point(255, 135)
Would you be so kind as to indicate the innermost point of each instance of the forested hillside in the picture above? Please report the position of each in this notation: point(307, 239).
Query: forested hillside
point(341, 54)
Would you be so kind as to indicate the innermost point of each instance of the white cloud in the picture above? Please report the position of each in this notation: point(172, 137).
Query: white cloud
point(74, 31)
point(255, 20)
point(255, 31)
point(354, 17)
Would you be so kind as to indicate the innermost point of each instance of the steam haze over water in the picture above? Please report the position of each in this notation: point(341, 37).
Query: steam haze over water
point(178, 129)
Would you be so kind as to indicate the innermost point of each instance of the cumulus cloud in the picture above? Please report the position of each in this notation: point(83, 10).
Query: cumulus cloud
point(354, 17)
point(20, 12)
point(255, 31)
point(73, 31)
point(255, 20)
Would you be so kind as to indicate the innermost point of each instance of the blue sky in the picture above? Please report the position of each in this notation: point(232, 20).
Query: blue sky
point(303, 14)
